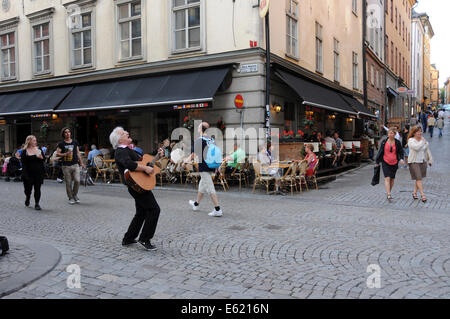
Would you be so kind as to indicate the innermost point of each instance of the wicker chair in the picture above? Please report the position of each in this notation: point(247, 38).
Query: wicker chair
point(301, 175)
point(102, 170)
point(220, 178)
point(261, 179)
point(313, 178)
point(192, 174)
point(240, 174)
point(164, 173)
point(289, 179)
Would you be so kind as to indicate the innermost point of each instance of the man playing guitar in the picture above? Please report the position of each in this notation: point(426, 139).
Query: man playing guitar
point(147, 209)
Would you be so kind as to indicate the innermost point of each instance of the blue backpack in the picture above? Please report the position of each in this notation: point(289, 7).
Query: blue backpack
point(214, 155)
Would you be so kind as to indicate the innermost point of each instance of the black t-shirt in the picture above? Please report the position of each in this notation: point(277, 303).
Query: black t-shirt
point(64, 147)
point(126, 159)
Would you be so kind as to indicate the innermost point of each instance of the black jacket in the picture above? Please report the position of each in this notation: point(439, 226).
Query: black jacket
point(398, 148)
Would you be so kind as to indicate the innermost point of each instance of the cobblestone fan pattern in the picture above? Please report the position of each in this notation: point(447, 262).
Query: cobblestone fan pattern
point(16, 260)
point(316, 245)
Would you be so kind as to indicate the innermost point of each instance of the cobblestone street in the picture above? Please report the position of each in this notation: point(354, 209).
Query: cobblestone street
point(317, 244)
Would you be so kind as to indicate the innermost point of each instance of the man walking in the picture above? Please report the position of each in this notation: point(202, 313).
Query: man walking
point(69, 151)
point(440, 125)
point(431, 122)
point(206, 185)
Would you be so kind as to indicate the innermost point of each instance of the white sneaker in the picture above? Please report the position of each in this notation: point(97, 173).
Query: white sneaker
point(59, 180)
point(192, 203)
point(77, 200)
point(71, 201)
point(215, 213)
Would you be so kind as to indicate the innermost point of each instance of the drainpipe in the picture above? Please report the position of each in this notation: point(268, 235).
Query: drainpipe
point(364, 52)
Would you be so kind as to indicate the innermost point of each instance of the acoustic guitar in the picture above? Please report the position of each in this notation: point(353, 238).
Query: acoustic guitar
point(141, 181)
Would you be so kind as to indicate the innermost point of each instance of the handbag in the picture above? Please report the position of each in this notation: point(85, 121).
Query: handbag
point(376, 175)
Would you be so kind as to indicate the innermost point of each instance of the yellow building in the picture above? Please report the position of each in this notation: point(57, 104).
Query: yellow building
point(434, 85)
point(447, 91)
point(429, 33)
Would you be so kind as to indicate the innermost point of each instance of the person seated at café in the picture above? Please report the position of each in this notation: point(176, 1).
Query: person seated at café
point(92, 154)
point(339, 150)
point(105, 152)
point(266, 159)
point(237, 157)
point(328, 138)
point(310, 159)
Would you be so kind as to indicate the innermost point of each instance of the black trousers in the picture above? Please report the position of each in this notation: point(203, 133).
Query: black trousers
point(29, 185)
point(147, 214)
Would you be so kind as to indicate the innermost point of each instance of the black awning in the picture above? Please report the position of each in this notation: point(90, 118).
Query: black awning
point(357, 106)
point(32, 101)
point(315, 94)
point(392, 92)
point(169, 89)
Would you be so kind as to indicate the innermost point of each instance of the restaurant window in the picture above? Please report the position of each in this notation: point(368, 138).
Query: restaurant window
point(81, 40)
point(355, 70)
point(319, 48)
point(292, 29)
point(187, 25)
point(337, 62)
point(41, 48)
point(130, 30)
point(8, 56)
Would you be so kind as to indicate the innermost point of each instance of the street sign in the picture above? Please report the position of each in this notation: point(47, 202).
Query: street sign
point(249, 68)
point(239, 101)
point(263, 7)
point(402, 90)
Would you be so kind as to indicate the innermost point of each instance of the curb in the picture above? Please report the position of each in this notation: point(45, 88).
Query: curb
point(47, 257)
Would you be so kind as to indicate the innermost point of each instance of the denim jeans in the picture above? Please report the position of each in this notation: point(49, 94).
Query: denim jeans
point(431, 128)
point(440, 132)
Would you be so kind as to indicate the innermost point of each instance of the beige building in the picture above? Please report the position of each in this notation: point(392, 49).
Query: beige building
point(150, 64)
point(429, 33)
point(434, 85)
point(447, 91)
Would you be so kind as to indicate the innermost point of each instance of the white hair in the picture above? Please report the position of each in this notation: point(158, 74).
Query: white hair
point(93, 147)
point(114, 137)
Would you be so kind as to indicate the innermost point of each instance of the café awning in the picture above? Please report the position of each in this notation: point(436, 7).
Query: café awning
point(195, 86)
point(32, 101)
point(315, 94)
point(357, 106)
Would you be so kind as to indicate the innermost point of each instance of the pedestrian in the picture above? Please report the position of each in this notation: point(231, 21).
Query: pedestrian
point(33, 170)
point(68, 149)
point(405, 134)
point(424, 121)
point(431, 122)
point(340, 156)
point(440, 125)
point(390, 155)
point(147, 208)
point(206, 185)
point(419, 156)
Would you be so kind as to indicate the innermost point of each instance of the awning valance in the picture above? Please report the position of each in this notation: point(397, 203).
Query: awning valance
point(168, 89)
point(32, 101)
point(315, 94)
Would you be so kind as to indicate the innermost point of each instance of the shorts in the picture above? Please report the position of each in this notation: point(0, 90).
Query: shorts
point(206, 185)
point(389, 170)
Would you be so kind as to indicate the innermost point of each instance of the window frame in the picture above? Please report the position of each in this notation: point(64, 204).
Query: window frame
point(319, 45)
point(92, 28)
point(7, 31)
point(355, 7)
point(336, 60)
point(118, 21)
point(173, 51)
point(355, 70)
point(290, 18)
point(51, 51)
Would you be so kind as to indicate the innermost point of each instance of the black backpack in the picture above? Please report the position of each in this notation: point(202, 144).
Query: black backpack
point(4, 246)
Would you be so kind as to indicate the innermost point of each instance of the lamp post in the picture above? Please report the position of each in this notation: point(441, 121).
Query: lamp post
point(264, 13)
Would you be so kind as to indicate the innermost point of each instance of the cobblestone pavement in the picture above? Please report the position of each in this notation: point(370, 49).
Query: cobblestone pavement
point(15, 261)
point(318, 244)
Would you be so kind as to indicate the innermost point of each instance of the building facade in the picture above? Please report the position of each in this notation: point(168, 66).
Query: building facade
point(417, 59)
point(435, 95)
point(398, 59)
point(429, 33)
point(447, 91)
point(153, 66)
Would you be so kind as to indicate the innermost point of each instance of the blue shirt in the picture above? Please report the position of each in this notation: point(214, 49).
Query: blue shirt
point(139, 150)
point(91, 156)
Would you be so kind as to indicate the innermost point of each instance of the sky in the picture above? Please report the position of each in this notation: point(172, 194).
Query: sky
point(439, 13)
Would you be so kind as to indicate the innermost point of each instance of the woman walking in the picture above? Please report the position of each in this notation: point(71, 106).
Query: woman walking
point(419, 156)
point(405, 134)
point(33, 170)
point(389, 155)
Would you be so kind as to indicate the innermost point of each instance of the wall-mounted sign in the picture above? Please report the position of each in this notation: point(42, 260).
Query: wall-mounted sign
point(78, 114)
point(402, 90)
point(249, 68)
point(192, 106)
point(239, 101)
point(263, 7)
point(41, 116)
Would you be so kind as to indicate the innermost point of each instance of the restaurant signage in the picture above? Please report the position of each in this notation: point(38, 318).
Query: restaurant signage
point(41, 116)
point(192, 106)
